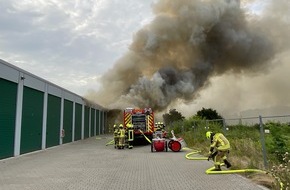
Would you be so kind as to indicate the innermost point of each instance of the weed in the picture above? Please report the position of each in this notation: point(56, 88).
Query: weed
point(281, 172)
point(246, 149)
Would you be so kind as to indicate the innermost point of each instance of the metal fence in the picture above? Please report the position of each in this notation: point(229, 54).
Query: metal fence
point(253, 121)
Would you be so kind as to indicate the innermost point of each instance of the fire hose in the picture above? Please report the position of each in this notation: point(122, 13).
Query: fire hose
point(210, 170)
point(145, 136)
point(110, 142)
point(188, 156)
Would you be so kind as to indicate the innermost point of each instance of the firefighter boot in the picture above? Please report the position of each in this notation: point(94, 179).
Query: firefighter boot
point(217, 168)
point(227, 163)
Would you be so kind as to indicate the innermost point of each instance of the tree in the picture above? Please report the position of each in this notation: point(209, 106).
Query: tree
point(208, 114)
point(172, 116)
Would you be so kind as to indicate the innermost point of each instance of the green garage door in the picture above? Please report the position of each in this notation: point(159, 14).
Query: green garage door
point(8, 98)
point(67, 121)
point(53, 121)
point(102, 121)
point(87, 120)
point(92, 122)
point(31, 125)
point(97, 122)
point(78, 121)
point(105, 123)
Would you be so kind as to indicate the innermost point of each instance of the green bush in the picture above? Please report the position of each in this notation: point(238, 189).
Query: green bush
point(278, 142)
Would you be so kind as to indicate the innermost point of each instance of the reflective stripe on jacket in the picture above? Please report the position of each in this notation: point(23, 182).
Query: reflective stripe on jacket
point(122, 132)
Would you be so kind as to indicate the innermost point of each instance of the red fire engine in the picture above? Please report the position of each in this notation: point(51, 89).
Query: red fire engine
point(142, 119)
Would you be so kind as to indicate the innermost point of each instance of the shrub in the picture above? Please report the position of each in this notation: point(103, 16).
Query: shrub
point(245, 144)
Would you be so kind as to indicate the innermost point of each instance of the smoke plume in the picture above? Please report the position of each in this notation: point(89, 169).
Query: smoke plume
point(190, 41)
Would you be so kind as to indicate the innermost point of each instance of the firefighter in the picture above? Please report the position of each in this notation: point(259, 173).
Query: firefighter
point(159, 126)
point(157, 131)
point(162, 125)
point(121, 134)
point(156, 127)
point(219, 149)
point(116, 135)
point(130, 136)
point(164, 133)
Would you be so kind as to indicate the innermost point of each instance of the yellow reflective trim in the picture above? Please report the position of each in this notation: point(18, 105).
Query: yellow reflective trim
point(122, 133)
point(127, 118)
point(130, 135)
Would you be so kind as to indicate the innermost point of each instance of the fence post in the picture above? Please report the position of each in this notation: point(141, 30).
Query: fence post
point(224, 126)
point(263, 142)
point(193, 132)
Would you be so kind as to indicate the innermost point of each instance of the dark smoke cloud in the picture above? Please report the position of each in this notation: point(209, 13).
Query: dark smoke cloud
point(187, 43)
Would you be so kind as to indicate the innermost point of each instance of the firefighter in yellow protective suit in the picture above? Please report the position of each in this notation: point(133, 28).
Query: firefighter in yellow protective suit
point(130, 135)
point(162, 125)
point(164, 132)
point(116, 135)
point(219, 149)
point(121, 134)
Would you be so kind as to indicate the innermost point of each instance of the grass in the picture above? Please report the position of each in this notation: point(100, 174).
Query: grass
point(246, 149)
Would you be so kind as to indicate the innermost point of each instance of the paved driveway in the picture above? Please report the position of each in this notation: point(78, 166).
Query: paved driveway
point(90, 165)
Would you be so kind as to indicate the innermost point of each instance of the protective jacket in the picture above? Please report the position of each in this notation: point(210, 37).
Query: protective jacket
point(220, 142)
point(122, 132)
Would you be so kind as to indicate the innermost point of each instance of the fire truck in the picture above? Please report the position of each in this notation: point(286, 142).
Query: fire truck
point(142, 119)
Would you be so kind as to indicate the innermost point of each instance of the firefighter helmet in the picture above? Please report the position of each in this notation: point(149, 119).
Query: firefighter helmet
point(121, 126)
point(208, 134)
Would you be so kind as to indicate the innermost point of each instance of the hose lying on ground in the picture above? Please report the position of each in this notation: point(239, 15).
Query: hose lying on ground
point(110, 143)
point(188, 156)
point(209, 171)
